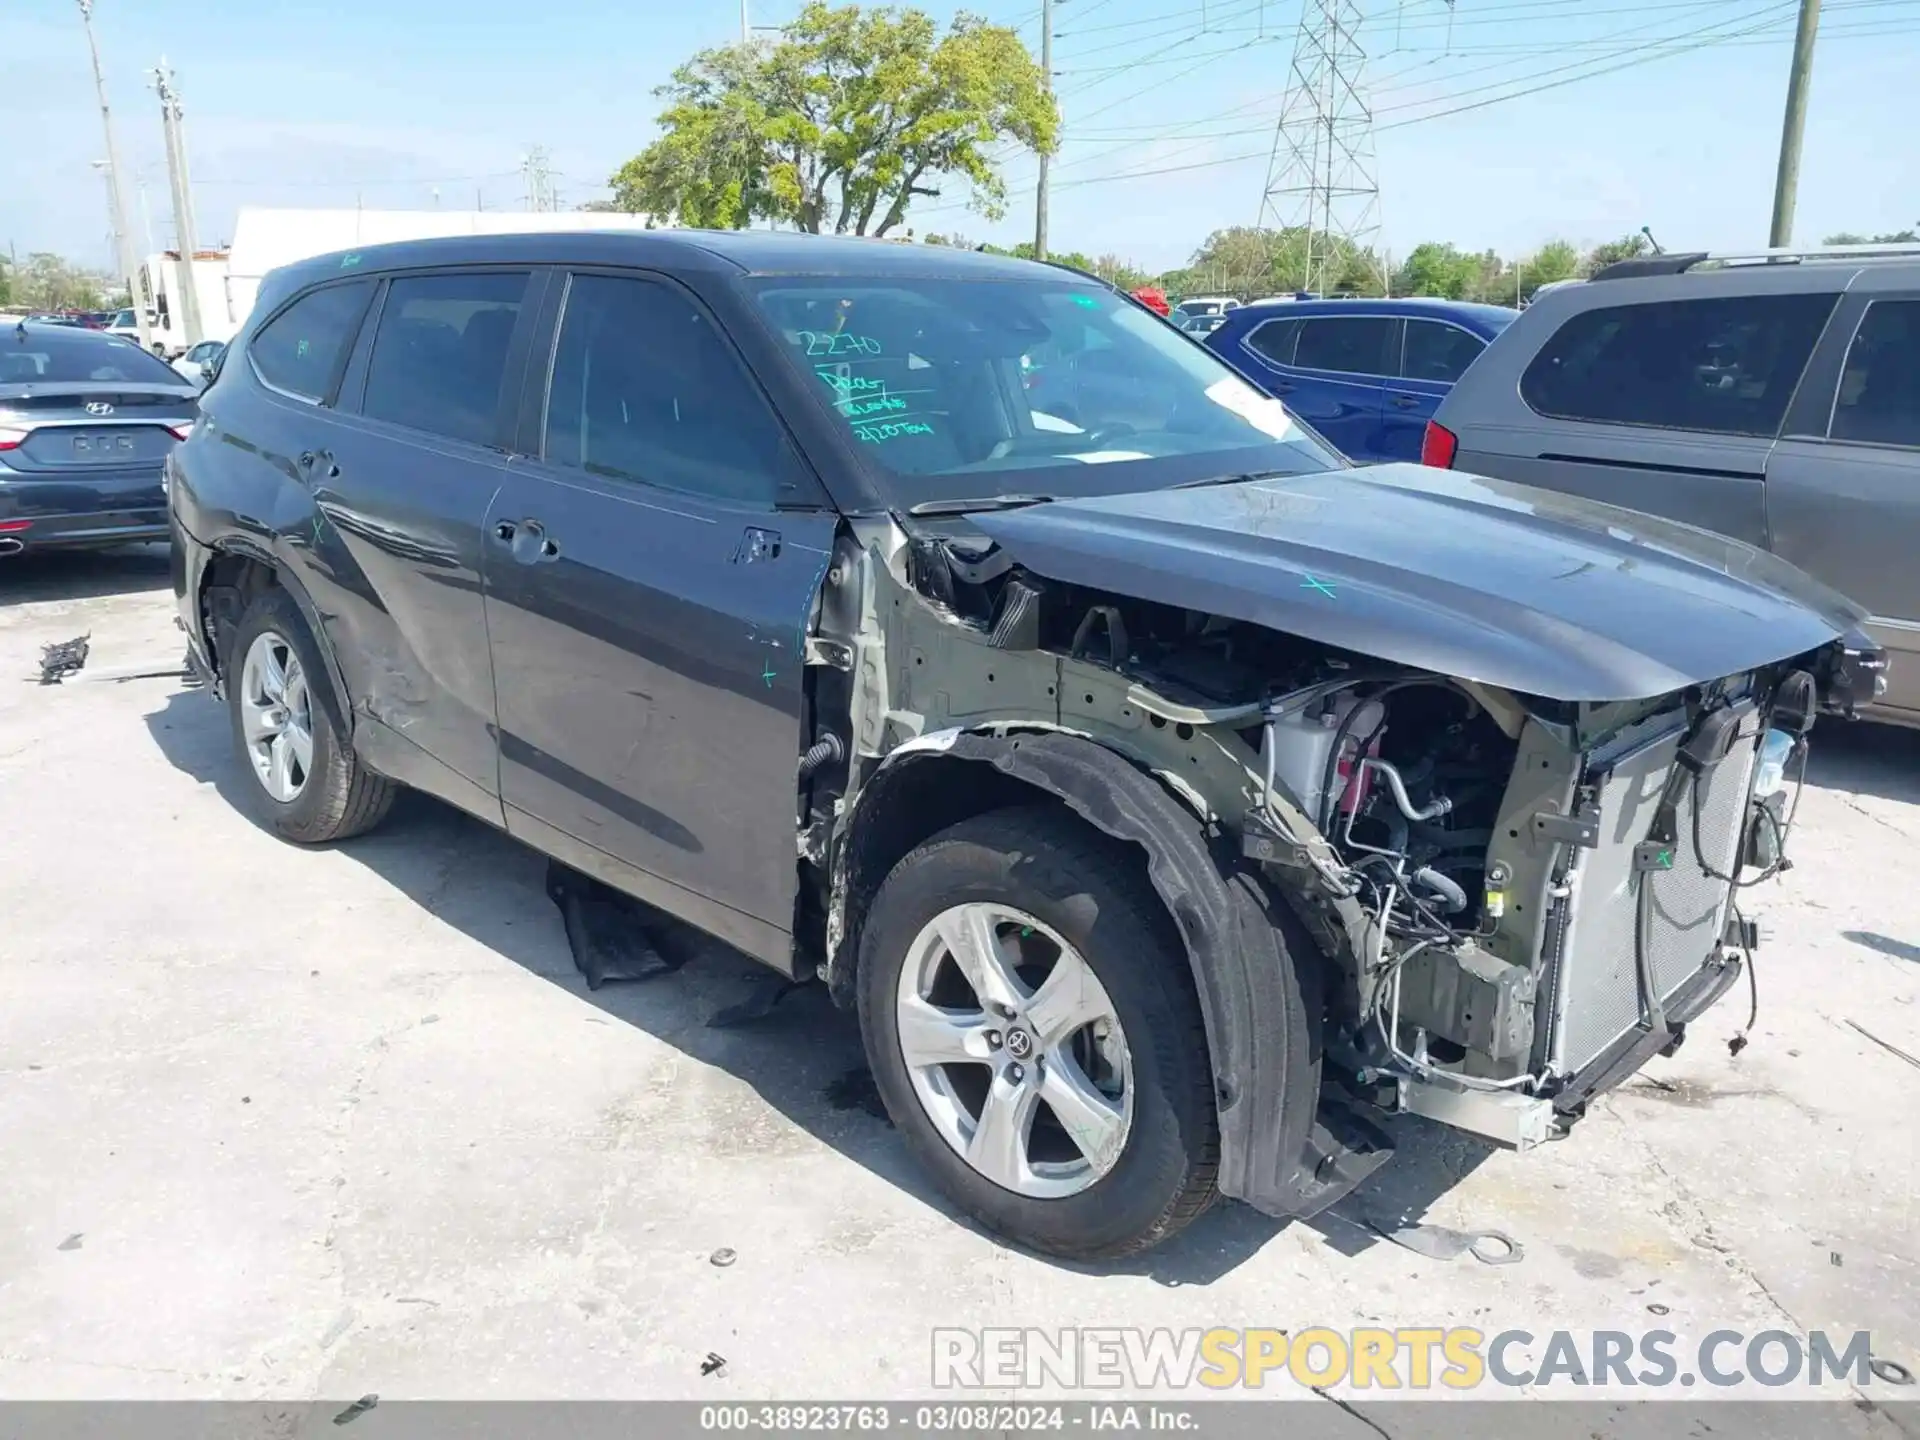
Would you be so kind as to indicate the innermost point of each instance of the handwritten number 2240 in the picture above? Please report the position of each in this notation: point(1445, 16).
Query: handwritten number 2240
point(839, 344)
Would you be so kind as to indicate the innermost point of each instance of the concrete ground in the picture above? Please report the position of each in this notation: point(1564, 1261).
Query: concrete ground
point(280, 1123)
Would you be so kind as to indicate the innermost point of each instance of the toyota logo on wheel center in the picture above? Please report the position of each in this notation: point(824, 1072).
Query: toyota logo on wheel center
point(1019, 1044)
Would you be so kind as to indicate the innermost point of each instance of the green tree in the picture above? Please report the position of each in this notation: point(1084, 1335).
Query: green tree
point(1627, 247)
point(1555, 260)
point(1892, 237)
point(842, 124)
point(47, 282)
point(6, 282)
point(1438, 269)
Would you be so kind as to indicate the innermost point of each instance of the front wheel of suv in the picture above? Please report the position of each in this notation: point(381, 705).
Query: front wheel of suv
point(1032, 1027)
point(307, 780)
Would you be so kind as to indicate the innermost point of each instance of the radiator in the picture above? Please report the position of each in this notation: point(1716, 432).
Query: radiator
point(1596, 988)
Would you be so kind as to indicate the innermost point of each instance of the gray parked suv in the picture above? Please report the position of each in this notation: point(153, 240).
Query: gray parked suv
point(1772, 397)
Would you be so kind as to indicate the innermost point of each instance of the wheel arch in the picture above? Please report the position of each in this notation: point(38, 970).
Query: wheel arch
point(235, 575)
point(1258, 975)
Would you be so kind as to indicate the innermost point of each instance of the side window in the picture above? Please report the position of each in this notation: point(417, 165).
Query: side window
point(643, 389)
point(440, 353)
point(1879, 399)
point(1273, 340)
point(1725, 366)
point(1438, 352)
point(299, 349)
point(1355, 345)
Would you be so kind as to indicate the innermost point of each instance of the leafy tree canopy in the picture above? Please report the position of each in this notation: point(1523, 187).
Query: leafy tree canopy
point(841, 124)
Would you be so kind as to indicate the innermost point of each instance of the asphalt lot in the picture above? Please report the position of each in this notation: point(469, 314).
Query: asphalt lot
point(285, 1124)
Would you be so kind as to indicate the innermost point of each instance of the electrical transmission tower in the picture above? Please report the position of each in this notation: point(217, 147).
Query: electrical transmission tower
point(541, 195)
point(1321, 183)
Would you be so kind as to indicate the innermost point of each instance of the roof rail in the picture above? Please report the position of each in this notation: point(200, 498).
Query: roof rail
point(1780, 255)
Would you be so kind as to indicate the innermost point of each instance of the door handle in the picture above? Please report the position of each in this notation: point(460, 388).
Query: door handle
point(529, 541)
point(1405, 402)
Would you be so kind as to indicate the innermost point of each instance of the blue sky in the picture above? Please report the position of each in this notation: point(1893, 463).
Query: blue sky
point(333, 102)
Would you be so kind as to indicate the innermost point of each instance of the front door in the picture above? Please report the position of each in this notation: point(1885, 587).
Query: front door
point(1339, 374)
point(649, 583)
point(1843, 486)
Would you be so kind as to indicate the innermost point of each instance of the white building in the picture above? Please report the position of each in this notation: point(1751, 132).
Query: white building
point(264, 239)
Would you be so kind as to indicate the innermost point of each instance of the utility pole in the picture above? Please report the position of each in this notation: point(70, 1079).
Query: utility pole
point(188, 299)
point(1786, 184)
point(1046, 75)
point(122, 241)
point(746, 25)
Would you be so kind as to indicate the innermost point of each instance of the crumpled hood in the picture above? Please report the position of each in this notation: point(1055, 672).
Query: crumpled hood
point(1480, 579)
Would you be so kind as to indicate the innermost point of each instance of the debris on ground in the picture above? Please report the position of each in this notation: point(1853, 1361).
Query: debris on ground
point(606, 931)
point(1886, 1045)
point(356, 1409)
point(64, 659)
point(72, 1242)
point(714, 1364)
point(1437, 1242)
point(1891, 1371)
point(768, 991)
point(722, 1257)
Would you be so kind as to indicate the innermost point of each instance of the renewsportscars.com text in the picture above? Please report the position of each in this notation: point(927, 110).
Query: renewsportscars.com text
point(1456, 1358)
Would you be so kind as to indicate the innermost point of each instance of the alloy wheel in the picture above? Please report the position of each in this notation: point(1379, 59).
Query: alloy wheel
point(1014, 1050)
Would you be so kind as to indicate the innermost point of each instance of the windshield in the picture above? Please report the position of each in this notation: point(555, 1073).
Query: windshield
point(971, 388)
point(53, 356)
point(122, 319)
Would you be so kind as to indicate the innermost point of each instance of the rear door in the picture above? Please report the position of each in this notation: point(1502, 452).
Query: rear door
point(651, 569)
point(1668, 402)
point(1843, 486)
point(411, 461)
point(1433, 355)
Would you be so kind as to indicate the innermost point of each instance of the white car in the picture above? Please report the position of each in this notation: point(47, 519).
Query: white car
point(1206, 305)
point(198, 363)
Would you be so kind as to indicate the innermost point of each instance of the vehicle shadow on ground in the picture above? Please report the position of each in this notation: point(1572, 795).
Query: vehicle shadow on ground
point(85, 575)
point(804, 1058)
point(1865, 759)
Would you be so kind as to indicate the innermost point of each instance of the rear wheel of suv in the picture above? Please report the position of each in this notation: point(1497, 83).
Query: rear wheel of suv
point(1032, 1027)
point(309, 783)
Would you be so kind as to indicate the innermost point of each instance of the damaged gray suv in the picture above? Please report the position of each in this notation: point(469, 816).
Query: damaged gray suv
point(1170, 799)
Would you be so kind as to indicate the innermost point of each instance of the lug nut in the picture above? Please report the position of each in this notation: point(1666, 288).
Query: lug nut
point(1016, 1074)
point(993, 1039)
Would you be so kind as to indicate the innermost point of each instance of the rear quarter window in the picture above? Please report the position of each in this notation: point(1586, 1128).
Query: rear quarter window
point(1726, 365)
point(299, 350)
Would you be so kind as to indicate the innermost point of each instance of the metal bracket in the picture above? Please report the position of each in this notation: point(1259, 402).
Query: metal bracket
point(827, 652)
point(1582, 828)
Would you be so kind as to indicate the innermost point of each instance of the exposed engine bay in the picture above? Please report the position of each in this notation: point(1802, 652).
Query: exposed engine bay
point(1517, 900)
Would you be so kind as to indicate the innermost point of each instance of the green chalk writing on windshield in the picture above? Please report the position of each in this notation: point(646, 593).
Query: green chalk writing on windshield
point(1086, 302)
point(1310, 583)
point(874, 433)
point(839, 343)
point(347, 262)
point(302, 350)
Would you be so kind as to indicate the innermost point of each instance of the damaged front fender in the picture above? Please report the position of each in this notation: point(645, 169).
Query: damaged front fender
point(1258, 975)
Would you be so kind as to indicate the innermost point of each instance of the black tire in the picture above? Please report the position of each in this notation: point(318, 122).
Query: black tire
point(1093, 892)
point(341, 798)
